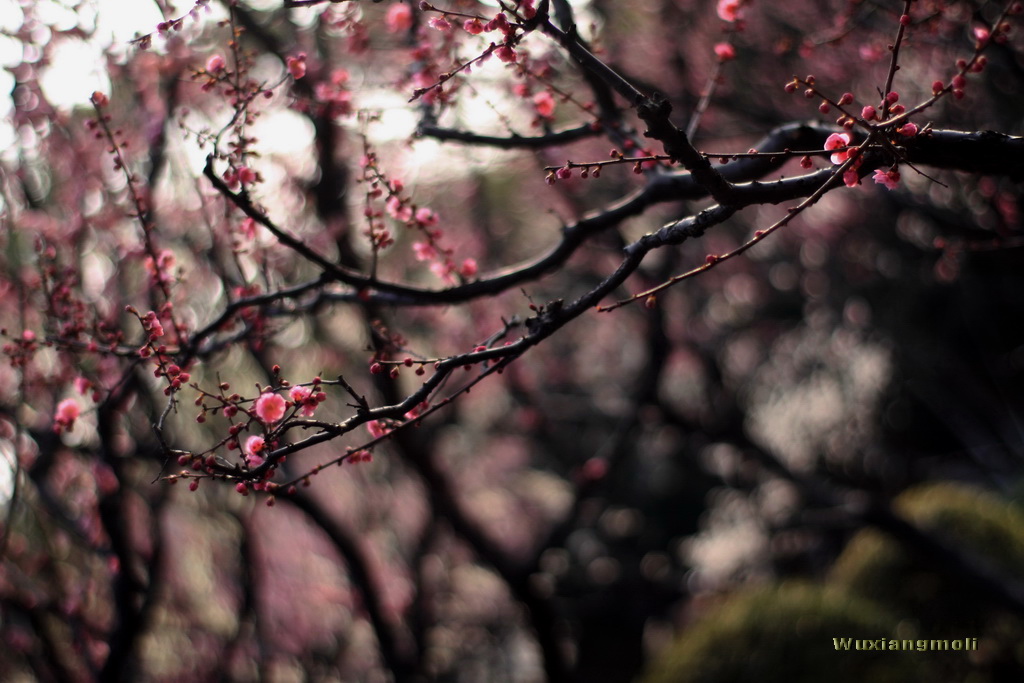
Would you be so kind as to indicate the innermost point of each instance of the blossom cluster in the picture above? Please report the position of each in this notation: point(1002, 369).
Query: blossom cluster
point(398, 206)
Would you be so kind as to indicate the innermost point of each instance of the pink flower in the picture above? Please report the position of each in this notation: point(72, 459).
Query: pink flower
point(890, 178)
point(270, 407)
point(468, 268)
point(725, 52)
point(851, 178)
point(729, 10)
point(425, 216)
point(397, 209)
point(248, 229)
point(246, 175)
point(376, 428)
point(297, 65)
point(398, 18)
point(443, 271)
point(473, 26)
point(65, 416)
point(545, 104)
point(868, 113)
point(499, 23)
point(440, 23)
point(214, 64)
point(838, 141)
point(908, 129)
point(424, 251)
point(254, 446)
point(506, 54)
point(340, 77)
point(303, 396)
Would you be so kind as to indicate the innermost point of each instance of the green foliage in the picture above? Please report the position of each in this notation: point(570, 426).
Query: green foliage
point(784, 634)
point(876, 590)
point(976, 523)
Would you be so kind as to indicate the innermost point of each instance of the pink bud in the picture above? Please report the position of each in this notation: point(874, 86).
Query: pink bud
point(214, 64)
point(725, 52)
point(908, 129)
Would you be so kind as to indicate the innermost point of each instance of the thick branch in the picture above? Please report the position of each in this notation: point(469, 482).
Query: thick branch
point(512, 141)
point(394, 652)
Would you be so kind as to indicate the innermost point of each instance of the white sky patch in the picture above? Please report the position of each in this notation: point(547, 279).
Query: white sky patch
point(75, 72)
point(8, 470)
point(121, 20)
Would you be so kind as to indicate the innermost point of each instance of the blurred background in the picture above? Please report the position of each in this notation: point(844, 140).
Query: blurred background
point(820, 439)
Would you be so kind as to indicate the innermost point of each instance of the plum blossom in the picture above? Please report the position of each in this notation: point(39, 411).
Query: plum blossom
point(334, 94)
point(376, 428)
point(725, 52)
point(246, 176)
point(908, 129)
point(248, 229)
point(424, 251)
point(440, 23)
point(729, 10)
point(443, 271)
point(468, 268)
point(270, 407)
point(297, 65)
point(215, 63)
point(398, 209)
point(545, 104)
point(304, 397)
point(398, 18)
point(838, 141)
point(66, 414)
point(851, 178)
point(254, 446)
point(426, 216)
point(890, 179)
point(506, 54)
